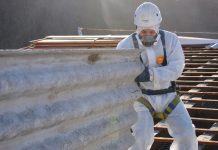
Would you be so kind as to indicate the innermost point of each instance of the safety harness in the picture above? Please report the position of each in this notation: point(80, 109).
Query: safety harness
point(158, 115)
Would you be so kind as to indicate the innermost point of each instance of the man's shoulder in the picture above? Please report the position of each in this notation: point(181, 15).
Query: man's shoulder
point(172, 39)
point(125, 43)
point(170, 35)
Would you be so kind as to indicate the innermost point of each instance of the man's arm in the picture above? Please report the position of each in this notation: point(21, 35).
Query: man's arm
point(125, 44)
point(174, 68)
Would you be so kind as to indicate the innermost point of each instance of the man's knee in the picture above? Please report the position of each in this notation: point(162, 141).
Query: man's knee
point(188, 134)
point(187, 140)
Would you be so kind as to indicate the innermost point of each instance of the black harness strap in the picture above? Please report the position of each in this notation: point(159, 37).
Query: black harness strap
point(162, 37)
point(135, 41)
point(171, 89)
point(136, 44)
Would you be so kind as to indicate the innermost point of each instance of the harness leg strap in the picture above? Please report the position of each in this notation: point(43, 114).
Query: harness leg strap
point(172, 105)
point(160, 115)
point(147, 104)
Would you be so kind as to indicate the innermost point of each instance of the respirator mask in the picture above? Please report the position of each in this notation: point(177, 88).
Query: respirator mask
point(148, 40)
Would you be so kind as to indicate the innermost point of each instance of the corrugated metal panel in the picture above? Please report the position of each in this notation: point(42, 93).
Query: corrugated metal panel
point(67, 99)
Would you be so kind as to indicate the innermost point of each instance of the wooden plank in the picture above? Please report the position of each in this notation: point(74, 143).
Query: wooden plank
point(197, 81)
point(198, 100)
point(200, 73)
point(191, 82)
point(203, 110)
point(183, 87)
point(77, 41)
point(72, 46)
point(197, 77)
point(202, 64)
point(201, 61)
point(201, 54)
point(199, 130)
point(166, 139)
point(204, 120)
point(201, 69)
point(199, 93)
point(85, 36)
point(201, 51)
point(201, 57)
point(207, 136)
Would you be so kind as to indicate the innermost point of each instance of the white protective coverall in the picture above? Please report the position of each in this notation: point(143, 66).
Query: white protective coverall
point(179, 124)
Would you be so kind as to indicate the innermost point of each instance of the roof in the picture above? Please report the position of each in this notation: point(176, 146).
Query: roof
point(195, 40)
point(199, 91)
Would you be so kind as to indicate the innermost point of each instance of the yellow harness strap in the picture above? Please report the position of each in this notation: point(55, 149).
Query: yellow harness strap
point(160, 115)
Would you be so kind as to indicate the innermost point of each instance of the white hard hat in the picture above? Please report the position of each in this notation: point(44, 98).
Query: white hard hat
point(147, 15)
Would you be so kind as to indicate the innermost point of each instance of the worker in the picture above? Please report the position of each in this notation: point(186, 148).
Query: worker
point(163, 60)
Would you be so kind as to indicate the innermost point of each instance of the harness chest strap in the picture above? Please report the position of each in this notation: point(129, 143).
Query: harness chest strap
point(135, 42)
point(162, 36)
point(160, 115)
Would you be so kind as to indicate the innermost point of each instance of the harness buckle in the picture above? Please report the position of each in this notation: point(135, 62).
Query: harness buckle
point(160, 115)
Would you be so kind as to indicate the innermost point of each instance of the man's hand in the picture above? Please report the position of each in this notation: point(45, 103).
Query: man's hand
point(144, 76)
